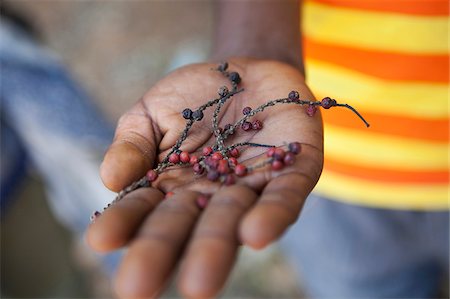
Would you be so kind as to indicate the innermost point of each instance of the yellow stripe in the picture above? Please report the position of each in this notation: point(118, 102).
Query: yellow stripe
point(376, 30)
point(424, 100)
point(361, 192)
point(391, 152)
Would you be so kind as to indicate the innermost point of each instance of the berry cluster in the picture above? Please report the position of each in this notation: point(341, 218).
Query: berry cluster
point(219, 162)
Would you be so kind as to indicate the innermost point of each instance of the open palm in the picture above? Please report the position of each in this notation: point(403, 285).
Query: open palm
point(254, 212)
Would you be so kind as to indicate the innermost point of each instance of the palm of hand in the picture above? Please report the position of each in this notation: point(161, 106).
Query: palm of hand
point(254, 212)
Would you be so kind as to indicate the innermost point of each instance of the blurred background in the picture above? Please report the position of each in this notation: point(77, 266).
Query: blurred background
point(116, 50)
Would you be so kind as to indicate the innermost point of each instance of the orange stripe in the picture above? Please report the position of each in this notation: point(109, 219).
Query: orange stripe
point(402, 126)
point(414, 7)
point(385, 65)
point(387, 175)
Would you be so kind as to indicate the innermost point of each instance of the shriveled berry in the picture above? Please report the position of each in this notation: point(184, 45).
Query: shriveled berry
point(234, 152)
point(289, 159)
point(246, 126)
point(277, 165)
point(202, 201)
point(295, 147)
point(311, 110)
point(240, 170)
point(271, 151)
point(151, 175)
point(223, 91)
point(233, 161)
point(223, 167)
point(257, 125)
point(235, 77)
point(198, 169)
point(197, 115)
point(229, 179)
point(217, 156)
point(185, 157)
point(213, 175)
point(207, 150)
point(169, 194)
point(279, 154)
point(193, 160)
point(246, 110)
point(327, 102)
point(223, 66)
point(187, 113)
point(174, 158)
point(293, 95)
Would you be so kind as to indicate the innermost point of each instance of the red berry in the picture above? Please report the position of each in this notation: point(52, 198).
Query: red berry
point(271, 151)
point(246, 126)
point(257, 125)
point(152, 175)
point(246, 110)
point(184, 157)
point(279, 154)
point(230, 179)
point(202, 201)
point(277, 165)
point(233, 161)
point(289, 159)
point(295, 147)
point(193, 160)
point(198, 169)
point(311, 110)
point(213, 175)
point(174, 158)
point(240, 170)
point(234, 152)
point(217, 156)
point(207, 151)
point(169, 194)
point(223, 167)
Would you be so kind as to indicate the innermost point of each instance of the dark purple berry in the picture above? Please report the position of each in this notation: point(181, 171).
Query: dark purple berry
point(223, 91)
point(246, 110)
point(293, 95)
point(235, 78)
point(213, 175)
point(311, 110)
point(257, 125)
point(223, 66)
point(289, 159)
point(187, 113)
point(327, 102)
point(295, 147)
point(246, 126)
point(197, 115)
point(198, 169)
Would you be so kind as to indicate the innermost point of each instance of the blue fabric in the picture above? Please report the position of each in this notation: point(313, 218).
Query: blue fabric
point(346, 251)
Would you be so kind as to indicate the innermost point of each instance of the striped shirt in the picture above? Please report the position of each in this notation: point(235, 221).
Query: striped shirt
point(390, 60)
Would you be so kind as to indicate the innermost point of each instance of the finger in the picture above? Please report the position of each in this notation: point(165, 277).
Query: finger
point(212, 251)
point(281, 200)
point(153, 254)
point(133, 150)
point(114, 228)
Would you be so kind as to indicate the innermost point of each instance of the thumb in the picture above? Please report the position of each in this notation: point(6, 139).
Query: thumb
point(132, 152)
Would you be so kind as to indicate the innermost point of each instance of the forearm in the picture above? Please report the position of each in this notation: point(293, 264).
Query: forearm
point(265, 29)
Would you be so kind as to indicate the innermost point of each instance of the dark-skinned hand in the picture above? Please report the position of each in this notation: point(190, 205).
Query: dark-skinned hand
point(164, 235)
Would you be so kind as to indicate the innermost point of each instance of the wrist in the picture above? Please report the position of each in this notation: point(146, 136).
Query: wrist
point(266, 30)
